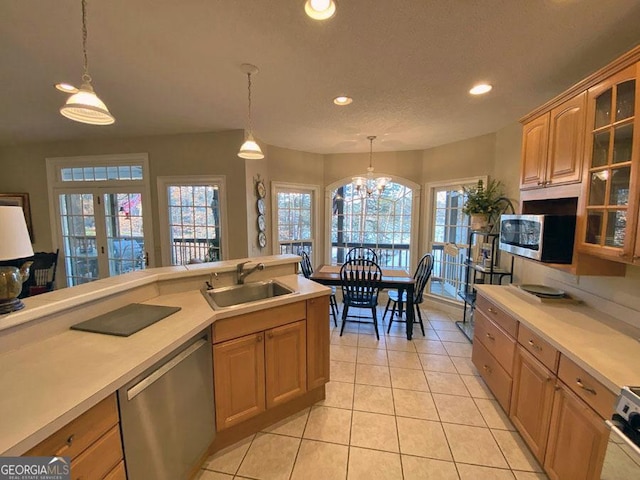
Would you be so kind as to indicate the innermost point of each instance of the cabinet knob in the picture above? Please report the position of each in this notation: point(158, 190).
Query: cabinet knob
point(487, 369)
point(259, 339)
point(534, 346)
point(585, 388)
point(63, 448)
point(540, 183)
point(270, 335)
point(490, 337)
point(491, 310)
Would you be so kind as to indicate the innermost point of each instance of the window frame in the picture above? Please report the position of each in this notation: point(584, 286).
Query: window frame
point(163, 183)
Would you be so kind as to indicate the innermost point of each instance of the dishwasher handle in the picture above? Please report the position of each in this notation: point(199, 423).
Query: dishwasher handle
point(146, 382)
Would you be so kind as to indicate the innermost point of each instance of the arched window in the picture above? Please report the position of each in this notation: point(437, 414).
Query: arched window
point(378, 220)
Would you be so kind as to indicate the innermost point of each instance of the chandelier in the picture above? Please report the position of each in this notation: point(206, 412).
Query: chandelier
point(369, 185)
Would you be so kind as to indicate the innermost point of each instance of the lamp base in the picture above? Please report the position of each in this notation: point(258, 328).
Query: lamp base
point(8, 306)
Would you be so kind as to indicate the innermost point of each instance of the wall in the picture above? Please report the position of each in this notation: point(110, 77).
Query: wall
point(617, 296)
point(191, 154)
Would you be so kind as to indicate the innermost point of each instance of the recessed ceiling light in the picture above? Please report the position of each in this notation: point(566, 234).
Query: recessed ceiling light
point(320, 9)
point(342, 100)
point(480, 89)
point(66, 88)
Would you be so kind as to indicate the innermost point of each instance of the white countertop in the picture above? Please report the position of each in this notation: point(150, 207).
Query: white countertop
point(48, 383)
point(592, 339)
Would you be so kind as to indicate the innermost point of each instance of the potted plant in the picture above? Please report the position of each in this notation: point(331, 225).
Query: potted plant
point(482, 202)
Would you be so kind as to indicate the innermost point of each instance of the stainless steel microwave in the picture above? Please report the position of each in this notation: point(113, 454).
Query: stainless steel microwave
point(546, 238)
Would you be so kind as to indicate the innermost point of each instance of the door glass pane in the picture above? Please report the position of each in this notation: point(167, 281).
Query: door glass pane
point(594, 227)
point(125, 235)
point(619, 194)
point(603, 109)
point(616, 224)
point(622, 141)
point(294, 221)
point(79, 238)
point(600, 149)
point(598, 187)
point(625, 100)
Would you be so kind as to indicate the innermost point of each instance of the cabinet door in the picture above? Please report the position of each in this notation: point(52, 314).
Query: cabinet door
point(286, 363)
point(238, 373)
point(566, 142)
point(577, 439)
point(535, 141)
point(318, 335)
point(531, 400)
point(610, 189)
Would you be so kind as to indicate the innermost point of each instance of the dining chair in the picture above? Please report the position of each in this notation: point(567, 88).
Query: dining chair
point(43, 272)
point(421, 276)
point(307, 270)
point(360, 283)
point(361, 252)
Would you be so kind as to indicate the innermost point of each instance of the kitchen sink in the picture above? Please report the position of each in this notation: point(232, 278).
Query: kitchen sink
point(225, 297)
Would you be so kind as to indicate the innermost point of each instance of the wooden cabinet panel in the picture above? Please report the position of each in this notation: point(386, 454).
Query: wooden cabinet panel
point(496, 377)
point(535, 142)
point(286, 365)
point(75, 437)
point(566, 142)
point(99, 459)
point(497, 342)
point(318, 339)
point(577, 439)
point(539, 348)
point(596, 395)
point(531, 401)
point(118, 473)
point(497, 315)
point(239, 381)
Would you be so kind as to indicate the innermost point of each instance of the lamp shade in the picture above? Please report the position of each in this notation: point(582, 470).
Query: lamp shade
point(86, 107)
point(250, 149)
point(14, 236)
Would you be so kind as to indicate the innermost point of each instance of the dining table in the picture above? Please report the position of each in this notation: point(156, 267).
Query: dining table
point(397, 278)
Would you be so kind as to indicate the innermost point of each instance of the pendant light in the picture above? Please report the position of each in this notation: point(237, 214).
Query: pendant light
point(369, 185)
point(84, 106)
point(250, 149)
point(320, 9)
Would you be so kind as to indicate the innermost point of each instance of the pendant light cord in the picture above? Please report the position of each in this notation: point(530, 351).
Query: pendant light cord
point(249, 109)
point(85, 76)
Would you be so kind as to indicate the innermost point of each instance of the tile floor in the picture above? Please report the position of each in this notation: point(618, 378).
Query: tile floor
point(394, 410)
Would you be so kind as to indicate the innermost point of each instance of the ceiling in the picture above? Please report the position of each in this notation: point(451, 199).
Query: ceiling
point(167, 67)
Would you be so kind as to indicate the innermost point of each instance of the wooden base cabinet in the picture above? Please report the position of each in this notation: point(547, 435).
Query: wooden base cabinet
point(531, 401)
point(577, 439)
point(286, 363)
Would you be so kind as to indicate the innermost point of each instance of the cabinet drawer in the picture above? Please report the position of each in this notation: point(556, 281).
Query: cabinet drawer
point(241, 325)
point(72, 439)
point(501, 346)
point(118, 473)
point(596, 395)
point(506, 321)
point(539, 348)
point(100, 458)
point(496, 377)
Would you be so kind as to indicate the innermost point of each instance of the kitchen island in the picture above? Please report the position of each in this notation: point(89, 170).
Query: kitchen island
point(52, 375)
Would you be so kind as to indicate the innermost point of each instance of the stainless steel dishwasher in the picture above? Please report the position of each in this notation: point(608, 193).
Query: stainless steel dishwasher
point(167, 414)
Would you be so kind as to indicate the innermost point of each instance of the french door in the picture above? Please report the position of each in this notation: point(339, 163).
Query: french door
point(102, 232)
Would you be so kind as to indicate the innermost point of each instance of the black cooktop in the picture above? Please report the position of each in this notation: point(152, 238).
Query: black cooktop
point(127, 320)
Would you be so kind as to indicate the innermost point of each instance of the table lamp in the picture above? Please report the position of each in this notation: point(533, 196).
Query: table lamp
point(14, 244)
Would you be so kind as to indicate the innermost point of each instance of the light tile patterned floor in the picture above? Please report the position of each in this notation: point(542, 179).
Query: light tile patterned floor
point(394, 410)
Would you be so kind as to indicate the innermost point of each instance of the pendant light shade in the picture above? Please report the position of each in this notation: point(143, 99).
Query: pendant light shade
point(250, 150)
point(320, 9)
point(84, 106)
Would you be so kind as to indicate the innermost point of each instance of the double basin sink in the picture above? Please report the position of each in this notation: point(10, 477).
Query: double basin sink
point(226, 297)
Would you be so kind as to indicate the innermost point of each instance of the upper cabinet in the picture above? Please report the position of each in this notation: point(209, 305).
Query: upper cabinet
point(552, 146)
point(609, 220)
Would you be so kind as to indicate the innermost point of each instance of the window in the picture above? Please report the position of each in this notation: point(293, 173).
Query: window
point(295, 218)
point(448, 226)
point(103, 222)
point(192, 217)
point(382, 222)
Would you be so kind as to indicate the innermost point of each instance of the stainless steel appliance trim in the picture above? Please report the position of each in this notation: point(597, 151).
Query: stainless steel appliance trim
point(156, 375)
point(522, 251)
point(622, 436)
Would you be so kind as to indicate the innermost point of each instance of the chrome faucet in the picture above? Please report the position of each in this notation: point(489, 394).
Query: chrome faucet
point(242, 274)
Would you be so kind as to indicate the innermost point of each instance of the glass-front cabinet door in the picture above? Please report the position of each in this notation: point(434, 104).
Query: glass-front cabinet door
point(611, 184)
